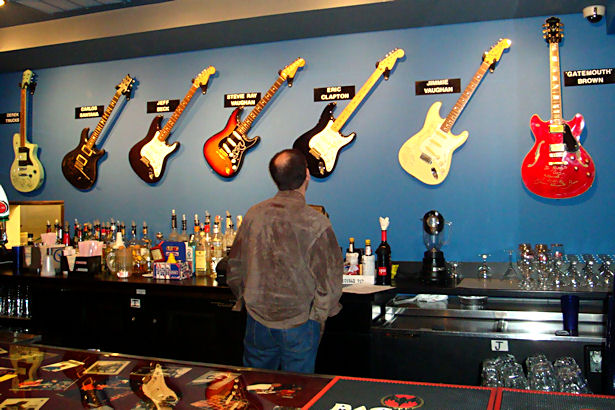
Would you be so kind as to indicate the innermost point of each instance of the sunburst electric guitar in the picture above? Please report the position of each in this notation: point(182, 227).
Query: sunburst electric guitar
point(148, 157)
point(27, 172)
point(557, 166)
point(322, 144)
point(427, 154)
point(80, 166)
point(224, 151)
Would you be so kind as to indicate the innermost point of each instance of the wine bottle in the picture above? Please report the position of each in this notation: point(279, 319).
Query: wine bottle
point(351, 264)
point(383, 256)
point(369, 260)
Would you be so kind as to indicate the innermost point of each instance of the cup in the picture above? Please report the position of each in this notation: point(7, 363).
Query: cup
point(18, 253)
point(570, 313)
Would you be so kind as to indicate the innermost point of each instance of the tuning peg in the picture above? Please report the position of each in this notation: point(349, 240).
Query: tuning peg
point(386, 74)
point(204, 88)
point(290, 81)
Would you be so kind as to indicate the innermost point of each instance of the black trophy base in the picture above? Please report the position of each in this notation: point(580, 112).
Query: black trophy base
point(434, 267)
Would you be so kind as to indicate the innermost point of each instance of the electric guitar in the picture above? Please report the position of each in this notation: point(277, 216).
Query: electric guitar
point(148, 157)
point(80, 166)
point(27, 172)
point(322, 144)
point(224, 151)
point(557, 166)
point(427, 154)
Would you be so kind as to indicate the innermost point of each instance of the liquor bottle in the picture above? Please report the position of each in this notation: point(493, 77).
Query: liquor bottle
point(383, 256)
point(184, 235)
point(122, 229)
point(216, 246)
point(207, 239)
point(368, 261)
point(201, 255)
point(146, 242)
point(133, 235)
point(351, 263)
point(174, 235)
point(229, 234)
point(58, 230)
point(77, 237)
point(193, 241)
point(239, 221)
point(97, 232)
point(48, 226)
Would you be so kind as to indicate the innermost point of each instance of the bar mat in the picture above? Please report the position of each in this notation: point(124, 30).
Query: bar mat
point(352, 393)
point(516, 399)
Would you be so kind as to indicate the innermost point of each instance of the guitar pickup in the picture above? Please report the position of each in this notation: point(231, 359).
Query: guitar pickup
point(556, 128)
point(557, 147)
point(426, 158)
point(315, 153)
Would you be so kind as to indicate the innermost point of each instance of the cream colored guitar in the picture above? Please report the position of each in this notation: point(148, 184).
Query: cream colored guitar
point(27, 172)
point(427, 154)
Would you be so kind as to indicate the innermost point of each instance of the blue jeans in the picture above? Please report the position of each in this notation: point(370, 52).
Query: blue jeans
point(292, 350)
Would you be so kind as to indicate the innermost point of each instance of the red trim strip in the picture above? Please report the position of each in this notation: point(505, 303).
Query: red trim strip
point(498, 400)
point(320, 393)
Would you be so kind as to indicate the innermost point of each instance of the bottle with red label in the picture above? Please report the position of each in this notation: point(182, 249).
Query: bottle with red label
point(383, 256)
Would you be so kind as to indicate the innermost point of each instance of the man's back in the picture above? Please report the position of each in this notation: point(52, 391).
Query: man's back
point(286, 263)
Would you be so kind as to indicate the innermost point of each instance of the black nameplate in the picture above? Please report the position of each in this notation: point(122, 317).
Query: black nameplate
point(595, 76)
point(162, 106)
point(337, 92)
point(89, 111)
point(241, 99)
point(9, 118)
point(443, 86)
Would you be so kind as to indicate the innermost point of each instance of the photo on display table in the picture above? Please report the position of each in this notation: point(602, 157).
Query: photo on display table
point(26, 404)
point(41, 384)
point(168, 371)
point(107, 367)
point(59, 366)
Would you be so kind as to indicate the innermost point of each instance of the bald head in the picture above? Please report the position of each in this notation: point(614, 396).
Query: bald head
point(288, 169)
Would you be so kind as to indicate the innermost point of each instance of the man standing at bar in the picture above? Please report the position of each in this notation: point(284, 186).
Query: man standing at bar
point(286, 267)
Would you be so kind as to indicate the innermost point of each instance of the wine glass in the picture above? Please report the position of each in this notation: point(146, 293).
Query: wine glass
point(511, 272)
point(484, 271)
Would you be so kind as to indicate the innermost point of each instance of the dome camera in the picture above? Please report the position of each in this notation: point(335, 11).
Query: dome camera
point(594, 14)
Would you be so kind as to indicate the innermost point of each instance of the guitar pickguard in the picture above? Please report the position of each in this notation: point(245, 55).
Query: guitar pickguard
point(155, 152)
point(326, 144)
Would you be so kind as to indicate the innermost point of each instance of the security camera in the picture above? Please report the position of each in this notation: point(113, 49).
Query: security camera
point(594, 14)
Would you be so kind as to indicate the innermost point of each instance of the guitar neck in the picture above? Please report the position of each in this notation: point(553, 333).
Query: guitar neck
point(103, 120)
point(450, 119)
point(166, 130)
point(356, 101)
point(556, 94)
point(23, 117)
point(247, 123)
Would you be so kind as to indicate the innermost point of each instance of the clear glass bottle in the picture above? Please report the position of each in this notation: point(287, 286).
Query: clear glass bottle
point(183, 237)
point(133, 235)
point(207, 238)
point(216, 246)
point(174, 235)
point(201, 255)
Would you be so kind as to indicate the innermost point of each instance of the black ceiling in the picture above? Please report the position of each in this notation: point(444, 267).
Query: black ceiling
point(377, 16)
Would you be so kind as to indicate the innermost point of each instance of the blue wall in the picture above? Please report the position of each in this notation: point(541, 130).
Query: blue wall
point(483, 195)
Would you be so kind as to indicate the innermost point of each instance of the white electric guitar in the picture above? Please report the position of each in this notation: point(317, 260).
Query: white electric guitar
point(322, 144)
point(427, 154)
point(148, 157)
point(27, 172)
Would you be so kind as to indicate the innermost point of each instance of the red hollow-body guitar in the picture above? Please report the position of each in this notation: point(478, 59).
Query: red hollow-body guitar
point(557, 166)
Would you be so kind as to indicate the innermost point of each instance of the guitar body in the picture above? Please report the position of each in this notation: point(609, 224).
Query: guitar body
point(548, 170)
point(224, 151)
point(427, 154)
point(27, 172)
point(321, 145)
point(80, 166)
point(148, 157)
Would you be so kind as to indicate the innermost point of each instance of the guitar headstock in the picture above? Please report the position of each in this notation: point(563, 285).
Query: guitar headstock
point(125, 86)
point(494, 54)
point(288, 72)
point(388, 62)
point(203, 77)
point(28, 80)
point(552, 30)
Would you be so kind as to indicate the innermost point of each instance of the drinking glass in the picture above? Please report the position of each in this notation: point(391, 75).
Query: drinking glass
point(513, 377)
point(542, 377)
point(511, 272)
